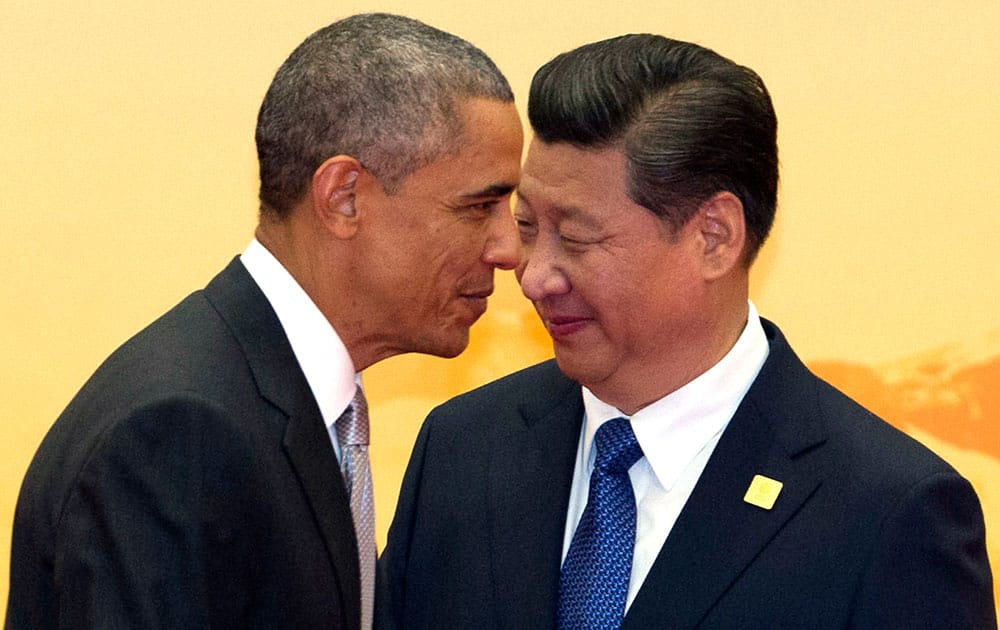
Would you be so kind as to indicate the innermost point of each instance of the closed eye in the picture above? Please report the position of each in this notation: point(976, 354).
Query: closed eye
point(578, 240)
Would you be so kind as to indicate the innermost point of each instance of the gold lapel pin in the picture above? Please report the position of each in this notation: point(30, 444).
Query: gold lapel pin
point(763, 492)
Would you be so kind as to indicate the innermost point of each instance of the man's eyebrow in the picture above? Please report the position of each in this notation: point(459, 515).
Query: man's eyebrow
point(560, 211)
point(493, 190)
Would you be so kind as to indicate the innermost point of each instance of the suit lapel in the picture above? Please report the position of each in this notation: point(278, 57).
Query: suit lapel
point(718, 534)
point(530, 476)
point(308, 447)
point(280, 381)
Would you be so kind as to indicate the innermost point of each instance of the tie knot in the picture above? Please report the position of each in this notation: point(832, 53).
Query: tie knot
point(617, 448)
point(352, 426)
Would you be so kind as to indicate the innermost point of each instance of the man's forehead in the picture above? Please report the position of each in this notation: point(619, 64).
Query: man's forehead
point(564, 164)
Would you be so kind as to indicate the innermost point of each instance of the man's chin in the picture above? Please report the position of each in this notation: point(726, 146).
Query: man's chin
point(449, 347)
point(577, 367)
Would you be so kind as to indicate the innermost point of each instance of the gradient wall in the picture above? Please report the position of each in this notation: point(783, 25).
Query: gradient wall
point(128, 178)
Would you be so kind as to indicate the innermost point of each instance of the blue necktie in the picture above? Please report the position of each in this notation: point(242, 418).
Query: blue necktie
point(594, 582)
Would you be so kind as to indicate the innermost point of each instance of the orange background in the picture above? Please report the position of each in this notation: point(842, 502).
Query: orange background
point(128, 178)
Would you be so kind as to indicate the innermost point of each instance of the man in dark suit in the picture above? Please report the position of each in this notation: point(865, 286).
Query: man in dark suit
point(194, 480)
point(676, 466)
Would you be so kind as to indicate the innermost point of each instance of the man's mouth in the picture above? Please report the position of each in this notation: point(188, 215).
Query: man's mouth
point(477, 300)
point(562, 326)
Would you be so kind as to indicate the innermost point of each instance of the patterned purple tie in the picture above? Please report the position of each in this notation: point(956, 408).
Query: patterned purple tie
point(352, 433)
point(593, 585)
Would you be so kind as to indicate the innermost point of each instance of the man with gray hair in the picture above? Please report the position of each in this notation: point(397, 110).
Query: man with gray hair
point(213, 472)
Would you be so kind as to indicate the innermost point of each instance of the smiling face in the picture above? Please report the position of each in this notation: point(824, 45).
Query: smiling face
point(432, 246)
point(628, 303)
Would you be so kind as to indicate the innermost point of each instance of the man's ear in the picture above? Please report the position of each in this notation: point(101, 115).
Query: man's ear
point(722, 226)
point(333, 195)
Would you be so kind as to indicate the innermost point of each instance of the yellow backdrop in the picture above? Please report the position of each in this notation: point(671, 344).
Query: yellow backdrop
point(127, 179)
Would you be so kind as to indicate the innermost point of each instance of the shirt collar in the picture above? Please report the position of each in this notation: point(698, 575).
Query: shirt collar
point(675, 428)
point(321, 353)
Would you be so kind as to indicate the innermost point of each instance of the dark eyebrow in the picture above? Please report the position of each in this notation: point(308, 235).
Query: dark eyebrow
point(493, 190)
point(563, 212)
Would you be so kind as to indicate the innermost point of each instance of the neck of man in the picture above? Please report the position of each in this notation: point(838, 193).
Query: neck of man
point(322, 267)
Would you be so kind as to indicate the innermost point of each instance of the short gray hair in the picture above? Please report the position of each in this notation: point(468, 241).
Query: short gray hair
point(381, 88)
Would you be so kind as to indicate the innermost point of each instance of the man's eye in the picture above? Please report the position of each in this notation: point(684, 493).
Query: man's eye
point(574, 241)
point(483, 206)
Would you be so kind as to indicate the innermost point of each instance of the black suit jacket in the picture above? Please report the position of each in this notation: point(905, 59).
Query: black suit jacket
point(871, 530)
point(191, 483)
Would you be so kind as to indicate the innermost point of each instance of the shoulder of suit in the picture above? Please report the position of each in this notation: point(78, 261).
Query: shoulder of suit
point(542, 380)
point(811, 411)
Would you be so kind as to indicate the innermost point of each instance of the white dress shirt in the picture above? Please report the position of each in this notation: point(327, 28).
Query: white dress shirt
point(320, 352)
point(677, 434)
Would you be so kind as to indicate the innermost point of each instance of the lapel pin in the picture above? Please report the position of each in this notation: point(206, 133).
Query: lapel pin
point(763, 492)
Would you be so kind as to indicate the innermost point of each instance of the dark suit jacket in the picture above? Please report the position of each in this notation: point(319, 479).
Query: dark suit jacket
point(871, 530)
point(191, 483)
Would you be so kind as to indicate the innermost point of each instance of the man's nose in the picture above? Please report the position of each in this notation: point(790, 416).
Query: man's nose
point(503, 247)
point(540, 275)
